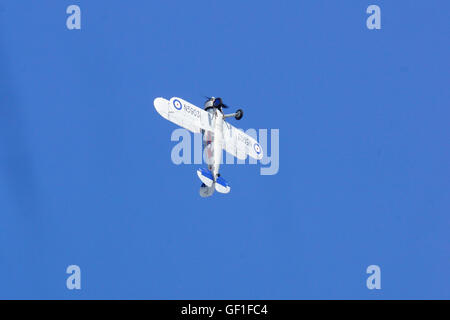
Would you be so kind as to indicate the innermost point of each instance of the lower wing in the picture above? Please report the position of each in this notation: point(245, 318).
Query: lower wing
point(240, 144)
point(184, 114)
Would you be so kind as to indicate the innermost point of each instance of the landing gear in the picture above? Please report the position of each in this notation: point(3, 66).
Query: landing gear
point(239, 114)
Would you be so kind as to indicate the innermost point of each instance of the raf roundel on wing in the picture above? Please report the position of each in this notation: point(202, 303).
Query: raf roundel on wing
point(177, 104)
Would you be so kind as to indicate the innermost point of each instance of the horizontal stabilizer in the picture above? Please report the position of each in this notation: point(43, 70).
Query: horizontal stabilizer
point(205, 176)
point(222, 185)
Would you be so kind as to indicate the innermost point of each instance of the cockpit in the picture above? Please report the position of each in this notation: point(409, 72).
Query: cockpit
point(212, 103)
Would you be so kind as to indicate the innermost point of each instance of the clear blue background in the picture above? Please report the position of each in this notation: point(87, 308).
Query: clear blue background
point(86, 176)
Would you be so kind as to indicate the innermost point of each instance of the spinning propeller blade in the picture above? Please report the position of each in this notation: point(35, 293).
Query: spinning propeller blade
point(218, 100)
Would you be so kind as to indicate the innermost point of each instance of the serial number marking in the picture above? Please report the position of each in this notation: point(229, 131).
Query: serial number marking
point(192, 111)
point(244, 139)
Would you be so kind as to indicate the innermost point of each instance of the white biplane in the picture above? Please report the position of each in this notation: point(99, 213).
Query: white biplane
point(217, 135)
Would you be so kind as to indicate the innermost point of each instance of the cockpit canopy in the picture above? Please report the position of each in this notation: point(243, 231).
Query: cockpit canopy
point(209, 103)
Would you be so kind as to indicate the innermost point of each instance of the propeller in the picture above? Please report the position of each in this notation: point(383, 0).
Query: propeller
point(217, 102)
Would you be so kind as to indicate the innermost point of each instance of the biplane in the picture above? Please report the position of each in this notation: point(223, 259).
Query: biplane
point(217, 135)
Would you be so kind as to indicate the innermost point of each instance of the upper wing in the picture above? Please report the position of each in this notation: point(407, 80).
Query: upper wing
point(240, 144)
point(184, 114)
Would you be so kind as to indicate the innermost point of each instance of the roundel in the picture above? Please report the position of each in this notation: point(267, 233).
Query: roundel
point(177, 104)
point(257, 148)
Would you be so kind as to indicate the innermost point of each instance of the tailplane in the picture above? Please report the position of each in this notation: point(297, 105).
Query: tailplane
point(222, 185)
point(209, 185)
point(205, 176)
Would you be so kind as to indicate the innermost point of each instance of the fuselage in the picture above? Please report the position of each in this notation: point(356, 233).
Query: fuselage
point(213, 141)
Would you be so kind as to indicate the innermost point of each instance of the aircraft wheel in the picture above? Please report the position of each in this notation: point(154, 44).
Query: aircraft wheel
point(239, 114)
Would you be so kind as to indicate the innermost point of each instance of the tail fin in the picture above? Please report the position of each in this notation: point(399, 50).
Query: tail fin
point(222, 185)
point(206, 191)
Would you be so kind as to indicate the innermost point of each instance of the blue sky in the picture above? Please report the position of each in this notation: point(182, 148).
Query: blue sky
point(86, 176)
